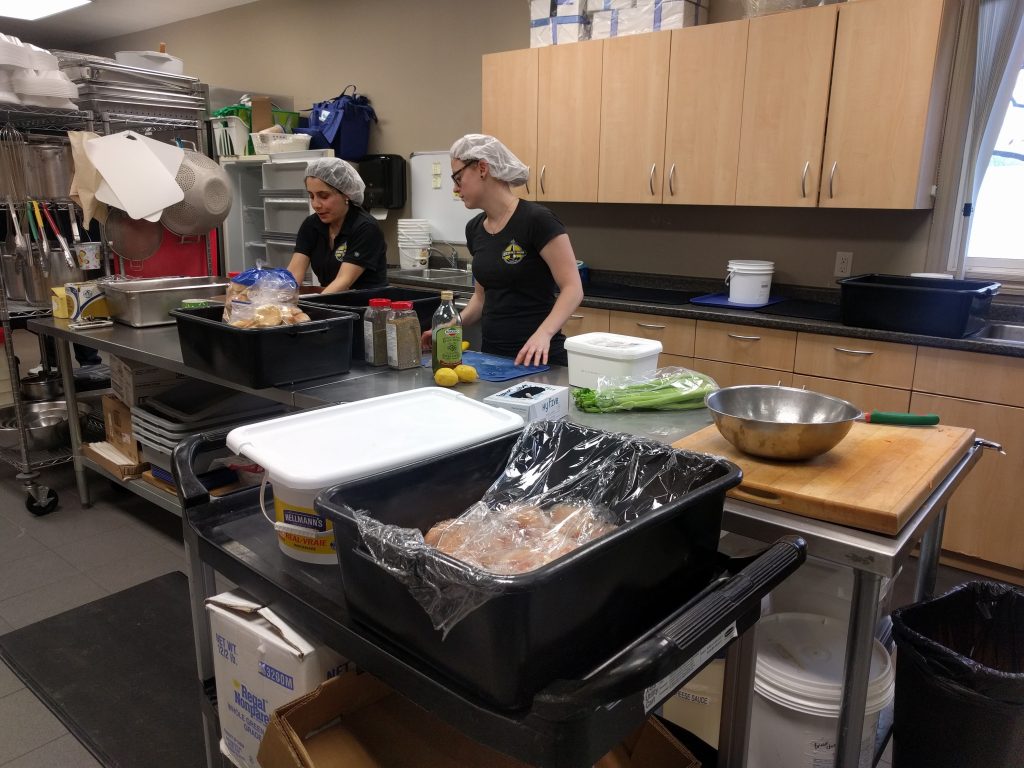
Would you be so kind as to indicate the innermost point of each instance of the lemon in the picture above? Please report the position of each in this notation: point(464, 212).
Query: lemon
point(465, 346)
point(466, 372)
point(446, 377)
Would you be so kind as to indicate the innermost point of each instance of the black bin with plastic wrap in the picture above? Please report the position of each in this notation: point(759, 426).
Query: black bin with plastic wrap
point(521, 632)
point(960, 679)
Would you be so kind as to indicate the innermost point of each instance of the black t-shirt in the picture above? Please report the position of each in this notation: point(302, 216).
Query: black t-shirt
point(519, 287)
point(359, 242)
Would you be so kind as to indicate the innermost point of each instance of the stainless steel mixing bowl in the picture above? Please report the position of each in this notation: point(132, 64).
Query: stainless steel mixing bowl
point(46, 424)
point(781, 422)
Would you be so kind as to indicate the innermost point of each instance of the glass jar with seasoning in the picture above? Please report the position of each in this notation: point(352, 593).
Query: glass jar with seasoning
point(375, 331)
point(403, 335)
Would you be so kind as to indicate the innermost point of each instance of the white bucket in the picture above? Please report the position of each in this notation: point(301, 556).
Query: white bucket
point(749, 281)
point(797, 689)
point(302, 534)
point(821, 588)
point(412, 256)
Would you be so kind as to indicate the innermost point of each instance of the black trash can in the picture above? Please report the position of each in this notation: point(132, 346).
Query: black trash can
point(960, 679)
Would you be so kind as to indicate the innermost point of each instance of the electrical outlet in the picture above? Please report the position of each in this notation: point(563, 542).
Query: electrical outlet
point(844, 263)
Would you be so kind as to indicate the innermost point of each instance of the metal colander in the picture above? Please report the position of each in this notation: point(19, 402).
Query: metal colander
point(207, 196)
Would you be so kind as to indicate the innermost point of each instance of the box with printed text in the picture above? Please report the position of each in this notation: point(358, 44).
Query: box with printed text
point(260, 663)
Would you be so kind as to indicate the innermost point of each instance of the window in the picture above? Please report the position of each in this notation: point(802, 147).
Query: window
point(997, 230)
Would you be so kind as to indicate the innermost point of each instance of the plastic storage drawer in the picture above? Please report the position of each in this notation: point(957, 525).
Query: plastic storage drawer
point(266, 357)
point(424, 302)
point(925, 305)
point(555, 622)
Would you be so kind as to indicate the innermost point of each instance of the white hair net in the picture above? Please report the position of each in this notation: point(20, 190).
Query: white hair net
point(337, 173)
point(503, 165)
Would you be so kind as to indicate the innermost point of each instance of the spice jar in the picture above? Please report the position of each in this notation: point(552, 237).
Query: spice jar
point(375, 332)
point(403, 334)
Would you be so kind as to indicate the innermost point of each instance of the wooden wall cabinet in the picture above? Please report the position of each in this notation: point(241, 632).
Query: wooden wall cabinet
point(569, 121)
point(510, 107)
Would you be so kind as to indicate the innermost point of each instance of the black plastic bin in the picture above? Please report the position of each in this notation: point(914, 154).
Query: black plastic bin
point(960, 679)
point(926, 305)
point(266, 357)
point(424, 301)
point(557, 621)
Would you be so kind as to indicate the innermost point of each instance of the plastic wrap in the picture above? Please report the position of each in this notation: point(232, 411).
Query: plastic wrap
point(565, 490)
point(665, 389)
point(263, 298)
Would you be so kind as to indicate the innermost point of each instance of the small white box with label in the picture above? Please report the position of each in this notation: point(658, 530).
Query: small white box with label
point(533, 401)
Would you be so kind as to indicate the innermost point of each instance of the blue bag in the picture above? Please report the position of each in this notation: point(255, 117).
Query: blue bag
point(341, 124)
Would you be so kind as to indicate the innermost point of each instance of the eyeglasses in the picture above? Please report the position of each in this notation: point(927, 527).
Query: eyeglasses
point(457, 176)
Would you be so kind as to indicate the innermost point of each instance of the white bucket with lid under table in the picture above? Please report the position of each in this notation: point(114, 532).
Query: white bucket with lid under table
point(306, 453)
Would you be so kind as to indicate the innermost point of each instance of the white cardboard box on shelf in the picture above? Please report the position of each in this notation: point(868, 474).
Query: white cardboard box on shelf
point(133, 381)
point(260, 663)
point(532, 400)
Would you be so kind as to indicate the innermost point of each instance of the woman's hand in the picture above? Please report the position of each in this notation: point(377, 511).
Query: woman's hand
point(425, 340)
point(535, 350)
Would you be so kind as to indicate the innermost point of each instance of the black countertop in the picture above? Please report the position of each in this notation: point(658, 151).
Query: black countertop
point(810, 310)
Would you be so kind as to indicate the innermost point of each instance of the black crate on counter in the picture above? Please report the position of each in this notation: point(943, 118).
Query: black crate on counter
point(926, 305)
point(266, 357)
point(555, 622)
point(424, 301)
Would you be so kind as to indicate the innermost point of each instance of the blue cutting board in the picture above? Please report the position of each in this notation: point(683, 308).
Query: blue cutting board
point(494, 367)
point(722, 300)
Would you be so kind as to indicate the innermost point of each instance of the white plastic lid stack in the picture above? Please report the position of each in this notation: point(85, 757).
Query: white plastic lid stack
point(800, 658)
point(317, 449)
point(14, 53)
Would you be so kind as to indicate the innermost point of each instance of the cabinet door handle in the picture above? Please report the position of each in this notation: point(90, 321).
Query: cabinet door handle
point(831, 178)
point(650, 179)
point(576, 317)
point(743, 338)
point(803, 179)
point(671, 180)
point(543, 169)
point(654, 326)
point(853, 351)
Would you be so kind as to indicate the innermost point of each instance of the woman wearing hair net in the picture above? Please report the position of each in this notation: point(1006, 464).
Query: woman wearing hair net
point(527, 282)
point(340, 240)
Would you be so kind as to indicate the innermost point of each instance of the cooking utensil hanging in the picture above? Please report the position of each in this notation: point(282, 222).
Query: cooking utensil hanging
point(207, 200)
point(133, 239)
point(12, 161)
point(68, 258)
point(89, 253)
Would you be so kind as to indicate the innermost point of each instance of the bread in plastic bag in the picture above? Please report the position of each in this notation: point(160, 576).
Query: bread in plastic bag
point(263, 298)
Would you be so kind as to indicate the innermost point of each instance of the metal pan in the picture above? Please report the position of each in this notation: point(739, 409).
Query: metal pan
point(133, 239)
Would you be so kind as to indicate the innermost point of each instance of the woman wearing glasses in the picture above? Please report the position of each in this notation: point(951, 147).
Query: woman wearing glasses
point(340, 240)
point(527, 282)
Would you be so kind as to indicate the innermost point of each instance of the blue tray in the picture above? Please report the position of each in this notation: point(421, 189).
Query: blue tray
point(722, 300)
point(494, 367)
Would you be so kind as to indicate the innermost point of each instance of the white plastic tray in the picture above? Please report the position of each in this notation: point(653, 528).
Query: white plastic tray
point(317, 449)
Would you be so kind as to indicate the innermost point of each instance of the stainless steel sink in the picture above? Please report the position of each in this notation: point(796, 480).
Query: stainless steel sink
point(443, 275)
point(1004, 332)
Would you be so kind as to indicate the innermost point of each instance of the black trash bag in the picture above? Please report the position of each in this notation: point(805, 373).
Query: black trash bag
point(960, 679)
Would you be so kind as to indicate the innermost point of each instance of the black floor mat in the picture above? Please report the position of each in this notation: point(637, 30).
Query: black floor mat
point(807, 310)
point(120, 673)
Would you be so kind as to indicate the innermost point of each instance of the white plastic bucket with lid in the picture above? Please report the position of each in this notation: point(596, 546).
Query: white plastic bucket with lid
point(798, 684)
point(749, 281)
point(413, 256)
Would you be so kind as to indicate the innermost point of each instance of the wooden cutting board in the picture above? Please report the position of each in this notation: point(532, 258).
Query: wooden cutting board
point(875, 479)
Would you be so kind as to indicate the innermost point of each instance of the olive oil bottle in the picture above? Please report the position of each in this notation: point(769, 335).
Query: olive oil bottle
point(446, 334)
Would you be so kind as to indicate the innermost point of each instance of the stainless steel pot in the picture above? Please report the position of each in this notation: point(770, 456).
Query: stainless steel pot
point(42, 386)
point(781, 422)
point(61, 271)
point(49, 169)
point(14, 284)
point(36, 277)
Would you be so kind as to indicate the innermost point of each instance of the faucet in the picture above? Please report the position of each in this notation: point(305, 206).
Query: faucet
point(452, 258)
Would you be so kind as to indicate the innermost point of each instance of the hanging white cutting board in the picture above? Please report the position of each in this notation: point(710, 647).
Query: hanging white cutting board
point(139, 173)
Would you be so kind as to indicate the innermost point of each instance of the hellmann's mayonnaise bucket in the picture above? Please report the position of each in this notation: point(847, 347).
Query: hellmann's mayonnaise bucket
point(306, 453)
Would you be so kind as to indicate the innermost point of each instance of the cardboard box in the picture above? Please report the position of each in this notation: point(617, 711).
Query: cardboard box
point(559, 30)
point(532, 400)
point(355, 721)
point(133, 382)
point(260, 663)
point(697, 706)
point(569, 7)
point(117, 421)
point(594, 6)
point(119, 466)
point(79, 301)
point(262, 113)
point(541, 9)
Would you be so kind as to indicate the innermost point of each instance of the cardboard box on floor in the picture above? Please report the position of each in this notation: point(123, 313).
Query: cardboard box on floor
point(259, 663)
point(117, 422)
point(356, 721)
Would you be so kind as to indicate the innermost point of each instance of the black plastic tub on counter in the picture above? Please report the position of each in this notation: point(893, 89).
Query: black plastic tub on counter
point(554, 622)
point(266, 357)
point(925, 305)
point(424, 301)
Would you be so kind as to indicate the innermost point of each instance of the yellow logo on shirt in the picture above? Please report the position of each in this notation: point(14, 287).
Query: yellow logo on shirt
point(342, 249)
point(513, 253)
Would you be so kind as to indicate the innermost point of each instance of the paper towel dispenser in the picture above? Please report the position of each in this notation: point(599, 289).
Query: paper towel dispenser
point(384, 176)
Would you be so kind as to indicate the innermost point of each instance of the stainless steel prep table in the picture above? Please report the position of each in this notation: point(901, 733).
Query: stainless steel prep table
point(871, 556)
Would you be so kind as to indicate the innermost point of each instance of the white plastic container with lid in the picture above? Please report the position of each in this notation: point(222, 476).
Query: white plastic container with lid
point(305, 453)
point(798, 682)
point(596, 355)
